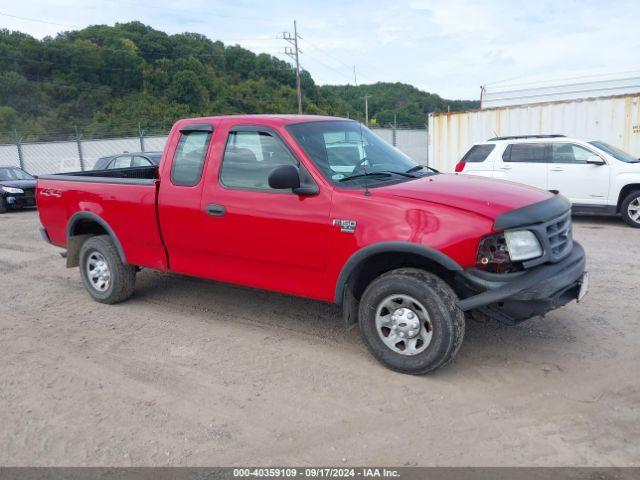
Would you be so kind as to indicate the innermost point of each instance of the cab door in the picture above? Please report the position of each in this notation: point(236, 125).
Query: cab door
point(525, 163)
point(179, 196)
point(258, 236)
point(572, 176)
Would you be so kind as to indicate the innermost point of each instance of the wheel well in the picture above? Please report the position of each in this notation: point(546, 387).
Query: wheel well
point(82, 227)
point(380, 263)
point(626, 190)
point(87, 226)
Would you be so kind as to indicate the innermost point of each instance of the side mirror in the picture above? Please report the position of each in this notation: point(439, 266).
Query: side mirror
point(284, 176)
point(595, 160)
point(288, 176)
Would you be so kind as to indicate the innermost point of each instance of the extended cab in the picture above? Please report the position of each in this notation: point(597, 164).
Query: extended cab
point(323, 208)
point(596, 177)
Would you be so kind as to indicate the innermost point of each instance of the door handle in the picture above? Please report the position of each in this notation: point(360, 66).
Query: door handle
point(215, 210)
point(557, 169)
point(505, 168)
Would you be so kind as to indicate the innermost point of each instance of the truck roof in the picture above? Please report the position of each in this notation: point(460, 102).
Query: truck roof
point(264, 119)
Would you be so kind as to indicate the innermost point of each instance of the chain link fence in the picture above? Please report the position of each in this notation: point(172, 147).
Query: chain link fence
point(75, 152)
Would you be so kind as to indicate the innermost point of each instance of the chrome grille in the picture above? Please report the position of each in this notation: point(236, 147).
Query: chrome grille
point(559, 236)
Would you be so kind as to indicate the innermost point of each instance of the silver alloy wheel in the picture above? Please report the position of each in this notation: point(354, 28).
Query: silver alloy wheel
point(634, 210)
point(403, 324)
point(98, 271)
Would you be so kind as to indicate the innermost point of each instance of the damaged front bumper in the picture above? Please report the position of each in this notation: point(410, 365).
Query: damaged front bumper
point(514, 297)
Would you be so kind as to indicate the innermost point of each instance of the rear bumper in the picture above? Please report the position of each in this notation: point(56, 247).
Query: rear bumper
point(512, 298)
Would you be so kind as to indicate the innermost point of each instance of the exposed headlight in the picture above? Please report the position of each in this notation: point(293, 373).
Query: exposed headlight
point(12, 190)
point(522, 245)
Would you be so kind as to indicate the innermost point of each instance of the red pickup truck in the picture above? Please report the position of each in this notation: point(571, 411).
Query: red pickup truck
point(321, 207)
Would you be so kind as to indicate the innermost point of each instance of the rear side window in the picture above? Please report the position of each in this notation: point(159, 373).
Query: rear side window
point(478, 153)
point(139, 161)
point(189, 158)
point(526, 153)
point(123, 161)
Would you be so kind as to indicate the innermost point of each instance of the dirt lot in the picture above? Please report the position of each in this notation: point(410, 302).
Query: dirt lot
point(190, 372)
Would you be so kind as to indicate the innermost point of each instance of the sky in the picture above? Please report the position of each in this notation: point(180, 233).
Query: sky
point(448, 47)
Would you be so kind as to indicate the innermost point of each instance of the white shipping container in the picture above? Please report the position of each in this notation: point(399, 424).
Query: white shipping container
point(509, 94)
point(615, 120)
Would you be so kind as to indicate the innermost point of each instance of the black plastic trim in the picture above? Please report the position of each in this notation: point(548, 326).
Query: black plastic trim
point(389, 247)
point(45, 235)
point(583, 209)
point(537, 283)
point(197, 127)
point(88, 179)
point(535, 213)
point(516, 137)
point(76, 217)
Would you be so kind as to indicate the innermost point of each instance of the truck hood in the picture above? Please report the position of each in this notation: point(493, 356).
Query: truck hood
point(18, 183)
point(484, 196)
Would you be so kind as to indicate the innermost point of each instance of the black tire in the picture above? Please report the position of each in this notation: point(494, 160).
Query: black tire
point(447, 320)
point(122, 277)
point(624, 209)
point(3, 205)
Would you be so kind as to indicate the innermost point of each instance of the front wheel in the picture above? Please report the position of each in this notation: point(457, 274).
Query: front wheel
point(630, 209)
point(3, 205)
point(105, 277)
point(410, 321)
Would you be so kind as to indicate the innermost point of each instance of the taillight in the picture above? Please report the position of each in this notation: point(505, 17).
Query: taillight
point(460, 167)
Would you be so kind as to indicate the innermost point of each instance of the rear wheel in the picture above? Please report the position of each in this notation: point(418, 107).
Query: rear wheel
point(105, 277)
point(410, 321)
point(630, 209)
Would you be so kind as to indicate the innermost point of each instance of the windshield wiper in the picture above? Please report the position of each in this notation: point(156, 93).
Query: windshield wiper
point(368, 174)
point(404, 174)
point(420, 167)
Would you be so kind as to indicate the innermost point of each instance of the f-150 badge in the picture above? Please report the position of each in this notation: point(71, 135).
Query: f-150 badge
point(346, 226)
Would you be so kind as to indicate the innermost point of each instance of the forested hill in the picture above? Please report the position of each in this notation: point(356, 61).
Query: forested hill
point(108, 79)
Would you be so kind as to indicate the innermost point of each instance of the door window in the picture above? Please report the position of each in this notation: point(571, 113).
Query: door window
point(568, 153)
point(189, 158)
point(526, 153)
point(250, 157)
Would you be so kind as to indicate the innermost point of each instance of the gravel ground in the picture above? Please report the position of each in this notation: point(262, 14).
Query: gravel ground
point(191, 372)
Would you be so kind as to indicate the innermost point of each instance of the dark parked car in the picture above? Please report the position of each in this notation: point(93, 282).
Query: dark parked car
point(126, 160)
point(17, 189)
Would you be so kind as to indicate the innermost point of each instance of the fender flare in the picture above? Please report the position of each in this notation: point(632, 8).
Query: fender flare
point(365, 253)
point(78, 216)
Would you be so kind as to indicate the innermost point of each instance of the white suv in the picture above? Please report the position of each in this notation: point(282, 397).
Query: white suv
point(598, 178)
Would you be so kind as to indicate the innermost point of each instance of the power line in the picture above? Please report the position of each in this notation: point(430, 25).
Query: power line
point(182, 12)
point(315, 47)
point(38, 21)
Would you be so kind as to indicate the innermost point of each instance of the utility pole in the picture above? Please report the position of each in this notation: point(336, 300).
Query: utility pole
point(366, 109)
point(293, 53)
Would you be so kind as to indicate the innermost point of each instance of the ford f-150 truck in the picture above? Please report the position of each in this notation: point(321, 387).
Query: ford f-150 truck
point(322, 208)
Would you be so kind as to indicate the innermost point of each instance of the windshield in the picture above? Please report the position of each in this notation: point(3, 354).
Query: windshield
point(14, 174)
point(348, 153)
point(615, 152)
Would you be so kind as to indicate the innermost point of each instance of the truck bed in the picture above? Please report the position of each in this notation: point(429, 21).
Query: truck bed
point(123, 199)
